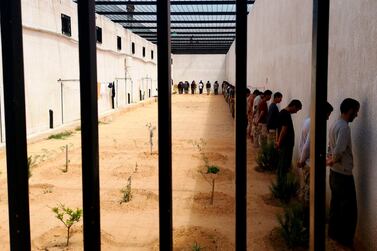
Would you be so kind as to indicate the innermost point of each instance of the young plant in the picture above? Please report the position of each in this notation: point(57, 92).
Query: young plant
point(150, 129)
point(213, 170)
point(267, 158)
point(66, 159)
point(294, 225)
point(199, 145)
point(196, 247)
point(31, 161)
point(286, 187)
point(67, 216)
point(62, 135)
point(126, 192)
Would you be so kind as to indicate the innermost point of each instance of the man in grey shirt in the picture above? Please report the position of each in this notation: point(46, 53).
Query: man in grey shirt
point(343, 205)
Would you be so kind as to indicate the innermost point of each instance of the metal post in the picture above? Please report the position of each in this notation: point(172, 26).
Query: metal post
point(241, 123)
point(89, 124)
point(15, 124)
point(164, 125)
point(320, 43)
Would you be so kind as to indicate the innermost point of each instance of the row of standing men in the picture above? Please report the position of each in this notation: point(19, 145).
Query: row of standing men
point(183, 87)
point(268, 124)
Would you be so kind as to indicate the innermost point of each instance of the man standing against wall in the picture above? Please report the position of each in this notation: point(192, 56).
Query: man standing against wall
point(216, 87)
point(261, 121)
point(208, 87)
point(201, 85)
point(250, 110)
point(273, 117)
point(193, 87)
point(256, 129)
point(286, 136)
point(343, 205)
point(304, 153)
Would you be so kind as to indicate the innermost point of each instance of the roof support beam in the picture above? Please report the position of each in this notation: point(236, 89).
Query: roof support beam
point(215, 2)
point(183, 28)
point(134, 21)
point(141, 33)
point(193, 37)
point(180, 13)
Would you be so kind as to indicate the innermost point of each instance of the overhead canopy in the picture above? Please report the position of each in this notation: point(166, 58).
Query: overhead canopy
point(205, 27)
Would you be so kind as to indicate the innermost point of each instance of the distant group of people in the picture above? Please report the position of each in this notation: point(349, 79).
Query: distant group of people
point(228, 91)
point(268, 124)
point(183, 87)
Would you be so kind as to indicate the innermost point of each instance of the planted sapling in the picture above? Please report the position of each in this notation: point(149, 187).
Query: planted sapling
point(196, 247)
point(151, 129)
point(213, 170)
point(67, 216)
point(126, 192)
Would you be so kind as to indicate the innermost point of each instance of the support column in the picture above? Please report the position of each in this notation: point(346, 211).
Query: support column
point(89, 124)
point(15, 125)
point(321, 9)
point(241, 124)
point(164, 125)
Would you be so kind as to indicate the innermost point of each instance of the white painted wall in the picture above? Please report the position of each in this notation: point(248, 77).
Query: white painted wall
point(279, 51)
point(198, 67)
point(50, 56)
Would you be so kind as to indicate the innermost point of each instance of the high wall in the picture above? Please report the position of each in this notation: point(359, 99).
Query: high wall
point(279, 58)
point(199, 67)
point(52, 65)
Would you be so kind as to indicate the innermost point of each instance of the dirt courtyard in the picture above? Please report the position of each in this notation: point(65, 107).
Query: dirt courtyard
point(124, 153)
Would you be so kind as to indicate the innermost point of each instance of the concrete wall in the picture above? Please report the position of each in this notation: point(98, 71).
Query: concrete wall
point(279, 58)
point(199, 67)
point(52, 67)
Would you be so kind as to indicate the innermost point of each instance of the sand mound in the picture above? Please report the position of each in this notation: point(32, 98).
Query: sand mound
point(185, 238)
point(222, 203)
point(141, 200)
point(123, 172)
point(148, 155)
point(55, 239)
point(213, 157)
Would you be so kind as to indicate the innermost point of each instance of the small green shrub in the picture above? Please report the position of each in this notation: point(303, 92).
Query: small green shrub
point(67, 216)
point(78, 128)
point(196, 247)
point(126, 192)
point(267, 158)
point(294, 225)
point(286, 187)
point(62, 135)
point(213, 169)
point(30, 164)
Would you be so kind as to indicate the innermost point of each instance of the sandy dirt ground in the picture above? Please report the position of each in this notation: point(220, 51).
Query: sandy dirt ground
point(124, 153)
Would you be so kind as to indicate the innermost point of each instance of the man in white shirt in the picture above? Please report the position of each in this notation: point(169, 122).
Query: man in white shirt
point(255, 129)
point(304, 153)
point(343, 205)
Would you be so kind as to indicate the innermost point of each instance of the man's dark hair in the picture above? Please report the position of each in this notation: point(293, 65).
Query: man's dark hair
point(328, 107)
point(349, 104)
point(247, 91)
point(295, 103)
point(256, 92)
point(267, 93)
point(278, 95)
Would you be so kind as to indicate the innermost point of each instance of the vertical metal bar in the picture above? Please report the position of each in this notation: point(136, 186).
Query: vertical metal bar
point(89, 124)
point(164, 124)
point(241, 123)
point(15, 124)
point(321, 11)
